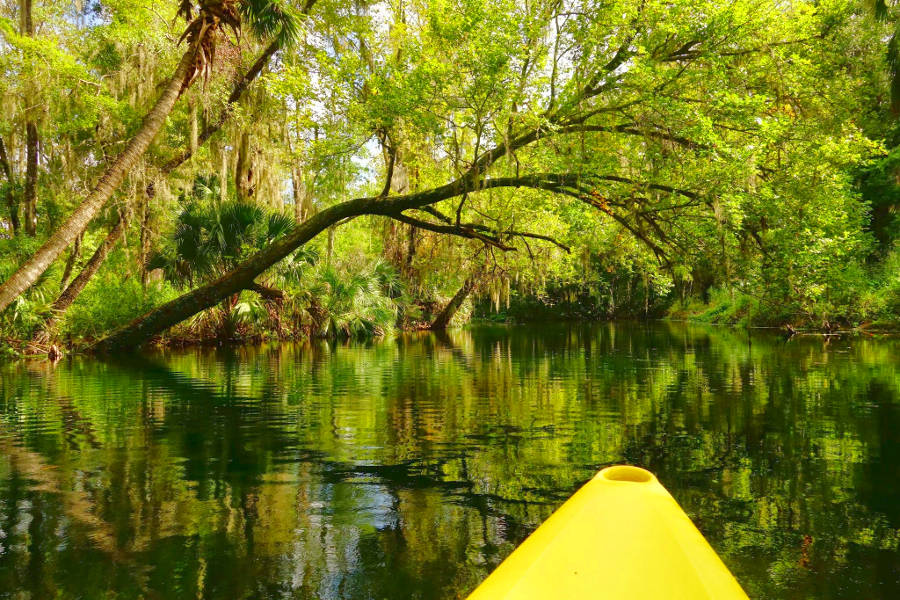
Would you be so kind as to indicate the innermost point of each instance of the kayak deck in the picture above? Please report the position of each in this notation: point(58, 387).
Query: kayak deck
point(622, 535)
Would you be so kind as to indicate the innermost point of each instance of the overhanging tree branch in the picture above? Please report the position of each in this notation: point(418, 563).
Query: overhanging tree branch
point(495, 232)
point(460, 231)
point(239, 278)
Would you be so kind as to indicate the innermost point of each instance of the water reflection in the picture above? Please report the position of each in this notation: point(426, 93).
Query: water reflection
point(410, 467)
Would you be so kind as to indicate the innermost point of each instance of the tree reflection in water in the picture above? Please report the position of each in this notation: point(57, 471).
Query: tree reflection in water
point(409, 467)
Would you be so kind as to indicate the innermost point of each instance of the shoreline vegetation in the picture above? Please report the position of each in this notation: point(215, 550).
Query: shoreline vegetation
point(282, 169)
point(478, 314)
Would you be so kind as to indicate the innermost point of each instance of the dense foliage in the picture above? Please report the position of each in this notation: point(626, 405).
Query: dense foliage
point(728, 161)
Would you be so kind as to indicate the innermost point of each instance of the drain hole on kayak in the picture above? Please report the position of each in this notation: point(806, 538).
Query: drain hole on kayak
point(625, 473)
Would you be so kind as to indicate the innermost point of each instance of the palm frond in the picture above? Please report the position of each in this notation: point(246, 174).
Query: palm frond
point(879, 9)
point(273, 19)
point(277, 225)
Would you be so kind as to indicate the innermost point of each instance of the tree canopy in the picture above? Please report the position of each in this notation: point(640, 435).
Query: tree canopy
point(637, 151)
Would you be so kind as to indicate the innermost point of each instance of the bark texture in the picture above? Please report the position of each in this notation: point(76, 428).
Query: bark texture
point(31, 161)
point(74, 253)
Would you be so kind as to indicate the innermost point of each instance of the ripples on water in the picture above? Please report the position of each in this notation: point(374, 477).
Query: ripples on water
point(409, 467)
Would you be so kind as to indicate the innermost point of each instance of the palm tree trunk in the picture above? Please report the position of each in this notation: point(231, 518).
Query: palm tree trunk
point(444, 317)
point(78, 221)
point(11, 204)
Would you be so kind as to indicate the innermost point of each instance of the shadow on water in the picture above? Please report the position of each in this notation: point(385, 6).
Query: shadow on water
point(409, 467)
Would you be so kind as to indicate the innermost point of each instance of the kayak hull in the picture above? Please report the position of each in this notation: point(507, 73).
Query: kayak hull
point(622, 535)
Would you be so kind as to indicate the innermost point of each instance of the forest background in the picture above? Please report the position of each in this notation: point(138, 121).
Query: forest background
point(243, 169)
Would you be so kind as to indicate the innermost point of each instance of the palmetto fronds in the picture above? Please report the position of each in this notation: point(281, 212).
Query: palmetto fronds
point(211, 236)
point(272, 19)
point(352, 301)
point(275, 226)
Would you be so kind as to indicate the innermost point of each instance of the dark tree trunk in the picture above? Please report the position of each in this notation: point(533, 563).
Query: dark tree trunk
point(146, 218)
point(31, 160)
point(267, 293)
point(445, 316)
point(11, 203)
point(243, 174)
point(410, 249)
point(71, 292)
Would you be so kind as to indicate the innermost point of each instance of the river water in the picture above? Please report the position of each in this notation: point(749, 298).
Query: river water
point(409, 467)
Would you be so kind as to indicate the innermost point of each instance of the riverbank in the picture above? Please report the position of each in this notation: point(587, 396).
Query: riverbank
point(12, 349)
point(743, 311)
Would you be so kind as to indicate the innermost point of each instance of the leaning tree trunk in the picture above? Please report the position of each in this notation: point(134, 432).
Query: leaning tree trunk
point(156, 321)
point(68, 296)
point(206, 296)
point(445, 316)
point(74, 253)
point(143, 328)
point(78, 221)
point(115, 234)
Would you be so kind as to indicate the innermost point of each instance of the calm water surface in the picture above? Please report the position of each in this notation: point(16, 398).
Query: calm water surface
point(410, 467)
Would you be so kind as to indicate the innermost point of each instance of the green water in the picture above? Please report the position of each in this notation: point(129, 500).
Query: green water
point(409, 467)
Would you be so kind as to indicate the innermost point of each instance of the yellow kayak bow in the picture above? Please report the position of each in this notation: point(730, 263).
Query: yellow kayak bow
point(621, 536)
